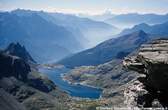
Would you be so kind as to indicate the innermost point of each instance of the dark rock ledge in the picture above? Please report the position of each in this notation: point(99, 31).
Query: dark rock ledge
point(22, 87)
point(151, 89)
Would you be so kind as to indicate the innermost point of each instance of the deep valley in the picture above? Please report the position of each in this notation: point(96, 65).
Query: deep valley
point(59, 61)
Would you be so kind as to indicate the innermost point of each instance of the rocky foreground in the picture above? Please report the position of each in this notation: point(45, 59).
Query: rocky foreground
point(24, 88)
point(151, 89)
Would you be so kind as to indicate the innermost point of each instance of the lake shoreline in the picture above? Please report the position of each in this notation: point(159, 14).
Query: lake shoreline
point(80, 83)
point(83, 84)
point(72, 89)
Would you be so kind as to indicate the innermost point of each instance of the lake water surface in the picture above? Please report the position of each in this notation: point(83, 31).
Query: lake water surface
point(73, 90)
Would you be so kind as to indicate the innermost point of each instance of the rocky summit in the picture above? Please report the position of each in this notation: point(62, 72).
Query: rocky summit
point(16, 49)
point(150, 90)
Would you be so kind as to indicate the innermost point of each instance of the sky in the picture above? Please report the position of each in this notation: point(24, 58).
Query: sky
point(89, 6)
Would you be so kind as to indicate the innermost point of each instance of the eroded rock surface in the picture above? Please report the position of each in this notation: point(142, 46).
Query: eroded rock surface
point(13, 66)
point(152, 61)
point(24, 88)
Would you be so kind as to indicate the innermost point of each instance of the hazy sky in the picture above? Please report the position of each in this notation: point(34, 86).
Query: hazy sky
point(89, 6)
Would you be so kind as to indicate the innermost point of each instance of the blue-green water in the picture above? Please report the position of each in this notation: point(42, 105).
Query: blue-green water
point(73, 90)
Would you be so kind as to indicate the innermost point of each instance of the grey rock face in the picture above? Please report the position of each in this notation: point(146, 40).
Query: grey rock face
point(132, 92)
point(152, 61)
point(8, 102)
point(23, 88)
point(13, 66)
point(20, 51)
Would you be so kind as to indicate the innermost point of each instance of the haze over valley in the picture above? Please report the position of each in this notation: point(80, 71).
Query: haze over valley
point(83, 55)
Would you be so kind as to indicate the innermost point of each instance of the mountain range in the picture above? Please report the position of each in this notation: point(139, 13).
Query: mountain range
point(38, 35)
point(45, 33)
point(108, 50)
point(85, 30)
point(157, 29)
point(125, 42)
point(131, 19)
point(63, 35)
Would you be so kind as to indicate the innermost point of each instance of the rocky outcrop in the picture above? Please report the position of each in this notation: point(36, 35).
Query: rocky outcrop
point(13, 66)
point(151, 61)
point(16, 49)
point(22, 87)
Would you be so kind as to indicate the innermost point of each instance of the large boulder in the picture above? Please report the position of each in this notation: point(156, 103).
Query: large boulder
point(152, 61)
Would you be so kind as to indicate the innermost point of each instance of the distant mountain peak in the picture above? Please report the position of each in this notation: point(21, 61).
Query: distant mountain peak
point(21, 10)
point(18, 50)
point(141, 33)
point(141, 26)
point(15, 45)
point(157, 30)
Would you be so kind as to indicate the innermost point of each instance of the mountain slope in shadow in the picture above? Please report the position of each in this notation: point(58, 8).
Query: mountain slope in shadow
point(23, 88)
point(108, 50)
point(39, 36)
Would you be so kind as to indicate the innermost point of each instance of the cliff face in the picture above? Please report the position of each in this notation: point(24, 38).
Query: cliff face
point(13, 66)
point(150, 90)
point(17, 50)
point(23, 88)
